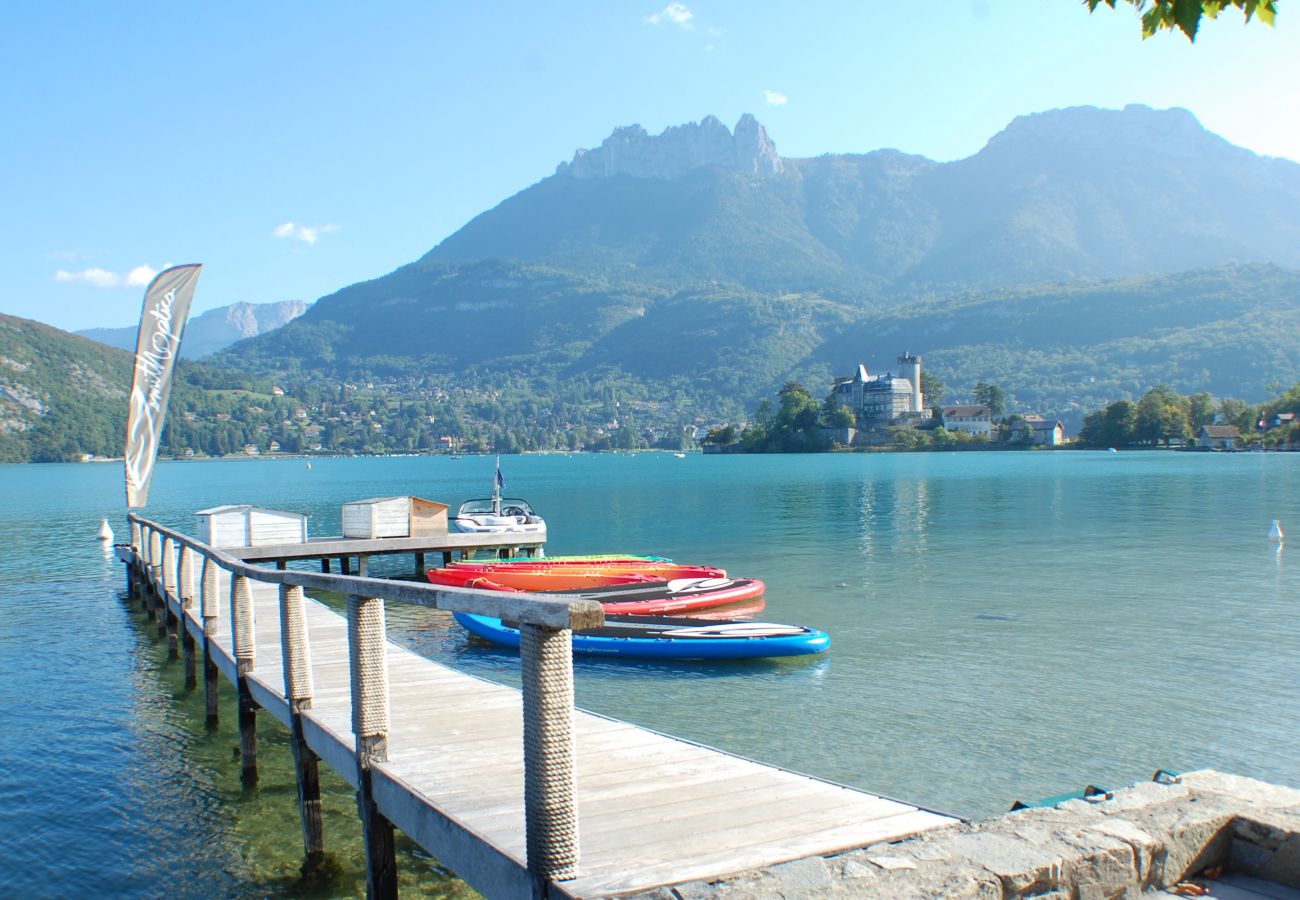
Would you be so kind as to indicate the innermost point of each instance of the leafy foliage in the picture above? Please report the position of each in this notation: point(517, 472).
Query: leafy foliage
point(1186, 15)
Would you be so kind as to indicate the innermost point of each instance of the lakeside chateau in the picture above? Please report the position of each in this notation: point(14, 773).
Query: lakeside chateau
point(879, 401)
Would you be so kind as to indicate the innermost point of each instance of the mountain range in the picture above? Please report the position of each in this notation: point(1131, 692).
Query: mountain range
point(213, 330)
point(1082, 256)
point(702, 254)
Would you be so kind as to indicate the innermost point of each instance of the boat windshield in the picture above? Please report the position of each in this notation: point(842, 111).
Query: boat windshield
point(484, 507)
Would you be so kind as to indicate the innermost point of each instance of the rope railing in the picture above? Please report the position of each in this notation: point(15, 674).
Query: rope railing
point(546, 624)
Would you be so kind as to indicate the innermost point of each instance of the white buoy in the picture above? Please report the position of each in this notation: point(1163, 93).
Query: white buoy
point(1275, 533)
point(105, 532)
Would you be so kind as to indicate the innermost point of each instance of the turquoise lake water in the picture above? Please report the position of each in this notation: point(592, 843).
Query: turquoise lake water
point(1005, 625)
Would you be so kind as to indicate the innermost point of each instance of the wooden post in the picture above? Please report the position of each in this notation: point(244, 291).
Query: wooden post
point(142, 569)
point(170, 592)
point(155, 581)
point(550, 805)
point(295, 647)
point(368, 667)
point(325, 564)
point(345, 564)
point(241, 614)
point(419, 565)
point(153, 557)
point(363, 564)
point(209, 610)
point(187, 604)
point(446, 557)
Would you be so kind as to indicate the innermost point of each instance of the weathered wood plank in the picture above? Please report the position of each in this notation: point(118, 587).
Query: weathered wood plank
point(652, 809)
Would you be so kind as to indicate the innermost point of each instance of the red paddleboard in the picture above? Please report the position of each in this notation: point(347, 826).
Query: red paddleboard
point(680, 595)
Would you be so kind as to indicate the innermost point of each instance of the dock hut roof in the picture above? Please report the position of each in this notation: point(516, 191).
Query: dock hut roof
point(1220, 431)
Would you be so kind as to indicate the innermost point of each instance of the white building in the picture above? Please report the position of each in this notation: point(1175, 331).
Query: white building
point(973, 420)
point(881, 399)
point(1048, 432)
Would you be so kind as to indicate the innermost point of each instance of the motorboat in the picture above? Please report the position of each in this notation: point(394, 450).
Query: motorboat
point(497, 514)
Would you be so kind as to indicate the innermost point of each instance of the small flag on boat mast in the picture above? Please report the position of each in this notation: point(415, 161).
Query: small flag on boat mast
point(501, 479)
point(162, 325)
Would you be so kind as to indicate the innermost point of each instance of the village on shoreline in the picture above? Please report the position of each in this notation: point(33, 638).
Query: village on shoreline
point(906, 412)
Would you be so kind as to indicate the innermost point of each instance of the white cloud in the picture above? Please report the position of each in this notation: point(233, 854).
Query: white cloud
point(775, 98)
point(673, 14)
point(308, 234)
point(140, 276)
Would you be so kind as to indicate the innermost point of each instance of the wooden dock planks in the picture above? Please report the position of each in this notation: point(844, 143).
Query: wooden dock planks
point(653, 809)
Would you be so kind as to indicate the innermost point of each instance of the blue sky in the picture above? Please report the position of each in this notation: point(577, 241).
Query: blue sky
point(295, 148)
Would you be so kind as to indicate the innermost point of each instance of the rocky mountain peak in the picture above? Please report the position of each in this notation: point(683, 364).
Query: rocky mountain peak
point(1136, 129)
point(630, 150)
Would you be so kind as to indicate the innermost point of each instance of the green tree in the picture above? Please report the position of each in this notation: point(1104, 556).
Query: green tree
point(837, 415)
point(1186, 15)
point(1201, 410)
point(1162, 415)
point(932, 389)
point(1236, 412)
point(1111, 427)
point(991, 395)
point(724, 434)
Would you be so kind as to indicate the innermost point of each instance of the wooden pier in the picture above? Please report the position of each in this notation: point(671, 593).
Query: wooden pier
point(515, 791)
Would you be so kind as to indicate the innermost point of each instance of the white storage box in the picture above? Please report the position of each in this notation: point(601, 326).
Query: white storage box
point(394, 517)
point(241, 525)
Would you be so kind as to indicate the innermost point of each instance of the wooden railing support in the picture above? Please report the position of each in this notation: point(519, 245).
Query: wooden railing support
point(295, 655)
point(166, 566)
point(550, 806)
point(241, 615)
point(186, 590)
point(170, 592)
point(159, 602)
point(368, 667)
point(209, 610)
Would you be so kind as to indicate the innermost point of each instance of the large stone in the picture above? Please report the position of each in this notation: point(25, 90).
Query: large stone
point(1022, 866)
point(1242, 789)
point(1148, 853)
point(803, 876)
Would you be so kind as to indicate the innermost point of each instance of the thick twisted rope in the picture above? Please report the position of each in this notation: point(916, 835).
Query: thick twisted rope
point(186, 586)
point(241, 611)
point(295, 646)
point(155, 557)
point(550, 810)
point(169, 567)
point(368, 666)
point(210, 596)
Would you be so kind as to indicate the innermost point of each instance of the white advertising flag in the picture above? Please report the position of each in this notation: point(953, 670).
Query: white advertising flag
point(162, 324)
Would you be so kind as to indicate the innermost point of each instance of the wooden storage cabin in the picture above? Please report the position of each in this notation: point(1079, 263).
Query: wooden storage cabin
point(394, 517)
point(241, 525)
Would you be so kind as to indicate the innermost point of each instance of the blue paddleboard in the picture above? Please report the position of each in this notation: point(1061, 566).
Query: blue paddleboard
point(662, 637)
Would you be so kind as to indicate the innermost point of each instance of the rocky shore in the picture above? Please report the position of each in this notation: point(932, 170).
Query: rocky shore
point(1123, 844)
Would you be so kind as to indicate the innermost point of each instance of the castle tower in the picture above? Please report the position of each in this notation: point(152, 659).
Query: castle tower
point(909, 367)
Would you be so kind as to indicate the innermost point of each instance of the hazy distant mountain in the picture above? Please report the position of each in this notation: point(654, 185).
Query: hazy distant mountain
point(60, 395)
point(700, 257)
point(1073, 193)
point(215, 329)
